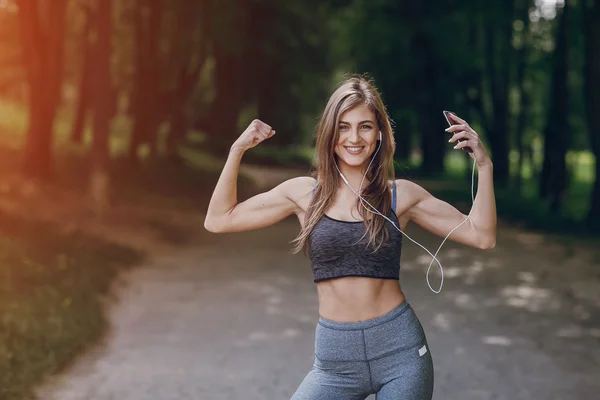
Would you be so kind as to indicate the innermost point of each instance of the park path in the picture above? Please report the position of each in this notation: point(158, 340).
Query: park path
point(232, 316)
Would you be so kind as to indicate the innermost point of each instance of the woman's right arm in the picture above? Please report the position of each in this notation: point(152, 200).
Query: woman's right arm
point(225, 214)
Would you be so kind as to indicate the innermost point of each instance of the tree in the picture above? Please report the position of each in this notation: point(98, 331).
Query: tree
point(521, 83)
point(42, 31)
point(556, 133)
point(100, 101)
point(86, 76)
point(11, 73)
point(591, 26)
point(190, 50)
point(145, 96)
point(228, 44)
point(498, 33)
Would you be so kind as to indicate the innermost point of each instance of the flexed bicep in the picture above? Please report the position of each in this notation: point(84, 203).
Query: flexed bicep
point(259, 211)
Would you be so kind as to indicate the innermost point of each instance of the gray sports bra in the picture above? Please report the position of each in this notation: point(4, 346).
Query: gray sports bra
point(334, 252)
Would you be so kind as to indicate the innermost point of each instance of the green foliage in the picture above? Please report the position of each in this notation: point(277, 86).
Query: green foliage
point(50, 298)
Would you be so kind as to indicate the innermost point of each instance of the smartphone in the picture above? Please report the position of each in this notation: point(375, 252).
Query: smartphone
point(450, 122)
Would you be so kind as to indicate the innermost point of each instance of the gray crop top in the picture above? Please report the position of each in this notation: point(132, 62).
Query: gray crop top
point(333, 251)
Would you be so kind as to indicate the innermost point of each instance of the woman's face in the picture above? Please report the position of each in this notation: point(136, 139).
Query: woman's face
point(358, 136)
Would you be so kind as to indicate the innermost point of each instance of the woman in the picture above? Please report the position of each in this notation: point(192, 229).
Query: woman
point(368, 339)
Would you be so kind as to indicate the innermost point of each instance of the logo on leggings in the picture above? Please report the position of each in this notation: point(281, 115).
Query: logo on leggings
point(422, 350)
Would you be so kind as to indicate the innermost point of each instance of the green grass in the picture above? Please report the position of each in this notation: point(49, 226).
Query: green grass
point(50, 298)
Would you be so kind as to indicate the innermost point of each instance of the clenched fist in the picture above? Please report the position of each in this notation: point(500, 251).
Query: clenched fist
point(254, 134)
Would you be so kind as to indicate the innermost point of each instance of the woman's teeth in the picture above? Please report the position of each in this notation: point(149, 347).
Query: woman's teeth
point(354, 150)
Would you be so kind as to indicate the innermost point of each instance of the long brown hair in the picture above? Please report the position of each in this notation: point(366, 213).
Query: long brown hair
point(355, 90)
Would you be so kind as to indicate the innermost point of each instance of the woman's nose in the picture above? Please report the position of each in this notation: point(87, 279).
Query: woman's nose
point(354, 136)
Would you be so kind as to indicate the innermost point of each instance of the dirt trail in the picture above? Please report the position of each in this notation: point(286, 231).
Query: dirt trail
point(232, 316)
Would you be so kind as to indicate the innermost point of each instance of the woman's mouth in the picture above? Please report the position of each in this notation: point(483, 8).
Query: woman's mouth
point(354, 149)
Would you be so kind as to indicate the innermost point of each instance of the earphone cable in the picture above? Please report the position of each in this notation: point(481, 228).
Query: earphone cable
point(434, 256)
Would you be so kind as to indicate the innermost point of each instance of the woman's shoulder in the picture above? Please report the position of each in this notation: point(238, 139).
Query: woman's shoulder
point(301, 181)
point(409, 191)
point(406, 197)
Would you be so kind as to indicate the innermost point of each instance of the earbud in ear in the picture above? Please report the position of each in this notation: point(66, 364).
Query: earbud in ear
point(380, 136)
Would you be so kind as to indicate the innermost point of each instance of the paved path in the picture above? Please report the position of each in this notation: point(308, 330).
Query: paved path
point(232, 316)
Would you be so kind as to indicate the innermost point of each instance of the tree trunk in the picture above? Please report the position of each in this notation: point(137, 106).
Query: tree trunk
point(99, 178)
point(146, 95)
point(498, 47)
point(190, 16)
point(426, 85)
point(228, 52)
point(83, 100)
point(227, 104)
point(522, 56)
point(592, 99)
point(177, 118)
point(554, 170)
point(42, 28)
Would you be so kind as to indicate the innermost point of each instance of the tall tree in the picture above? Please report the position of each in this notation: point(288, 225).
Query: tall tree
point(86, 76)
point(11, 71)
point(591, 26)
point(428, 103)
point(146, 96)
point(228, 44)
point(499, 16)
point(42, 28)
point(100, 100)
point(190, 49)
point(524, 97)
point(292, 32)
point(553, 179)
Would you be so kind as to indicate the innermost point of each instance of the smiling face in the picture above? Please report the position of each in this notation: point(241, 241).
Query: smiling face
point(358, 135)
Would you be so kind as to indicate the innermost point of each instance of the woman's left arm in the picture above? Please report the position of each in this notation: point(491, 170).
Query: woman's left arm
point(440, 217)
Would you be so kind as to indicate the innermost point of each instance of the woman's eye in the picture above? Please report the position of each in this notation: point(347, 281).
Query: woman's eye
point(366, 126)
point(343, 127)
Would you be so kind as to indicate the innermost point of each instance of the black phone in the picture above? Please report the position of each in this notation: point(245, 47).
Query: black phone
point(450, 122)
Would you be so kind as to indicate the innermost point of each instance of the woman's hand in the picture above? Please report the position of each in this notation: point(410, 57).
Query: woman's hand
point(463, 131)
point(254, 134)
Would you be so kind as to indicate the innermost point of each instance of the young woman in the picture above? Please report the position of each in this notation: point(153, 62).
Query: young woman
point(368, 339)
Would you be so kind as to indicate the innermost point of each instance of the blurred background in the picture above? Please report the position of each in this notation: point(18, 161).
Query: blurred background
point(116, 117)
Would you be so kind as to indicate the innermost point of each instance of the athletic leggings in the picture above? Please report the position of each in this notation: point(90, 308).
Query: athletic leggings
point(387, 356)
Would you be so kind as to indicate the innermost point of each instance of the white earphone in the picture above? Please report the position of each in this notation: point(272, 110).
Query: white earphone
point(434, 256)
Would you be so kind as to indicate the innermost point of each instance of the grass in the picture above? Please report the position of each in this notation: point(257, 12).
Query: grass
point(51, 293)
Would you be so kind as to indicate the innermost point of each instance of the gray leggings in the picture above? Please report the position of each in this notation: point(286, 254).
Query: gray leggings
point(387, 355)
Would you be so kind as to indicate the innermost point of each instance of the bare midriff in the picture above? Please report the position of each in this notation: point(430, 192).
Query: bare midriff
point(354, 299)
